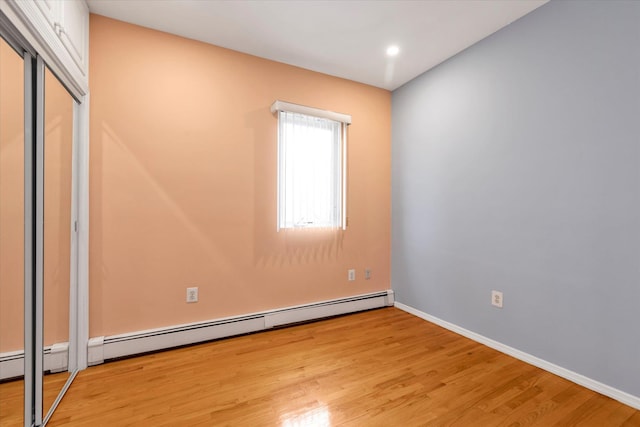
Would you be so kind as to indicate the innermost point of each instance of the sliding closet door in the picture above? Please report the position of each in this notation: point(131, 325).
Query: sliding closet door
point(57, 235)
point(39, 352)
point(53, 235)
point(12, 234)
point(37, 238)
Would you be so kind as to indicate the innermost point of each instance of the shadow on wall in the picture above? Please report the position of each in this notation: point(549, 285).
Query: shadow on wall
point(145, 233)
point(284, 247)
point(113, 144)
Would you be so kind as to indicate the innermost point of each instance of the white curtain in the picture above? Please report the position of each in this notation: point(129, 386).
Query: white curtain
point(309, 171)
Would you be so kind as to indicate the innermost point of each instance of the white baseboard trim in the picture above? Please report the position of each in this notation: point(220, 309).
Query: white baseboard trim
point(56, 359)
point(614, 393)
point(115, 346)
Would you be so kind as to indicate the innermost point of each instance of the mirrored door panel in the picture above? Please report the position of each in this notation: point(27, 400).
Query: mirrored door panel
point(58, 145)
point(37, 239)
point(11, 235)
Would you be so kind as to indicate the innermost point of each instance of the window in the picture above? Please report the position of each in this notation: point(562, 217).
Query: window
point(311, 167)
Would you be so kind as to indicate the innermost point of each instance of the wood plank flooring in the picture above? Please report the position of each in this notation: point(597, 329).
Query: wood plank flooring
point(377, 368)
point(12, 399)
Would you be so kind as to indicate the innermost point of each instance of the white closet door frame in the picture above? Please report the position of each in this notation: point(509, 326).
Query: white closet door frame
point(39, 243)
point(29, 236)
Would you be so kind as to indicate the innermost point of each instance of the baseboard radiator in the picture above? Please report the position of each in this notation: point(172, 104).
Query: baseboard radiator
point(56, 359)
point(116, 346)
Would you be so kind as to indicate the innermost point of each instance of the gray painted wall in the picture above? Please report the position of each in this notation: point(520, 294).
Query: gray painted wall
point(516, 167)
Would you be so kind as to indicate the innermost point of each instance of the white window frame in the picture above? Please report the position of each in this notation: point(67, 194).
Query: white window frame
point(344, 120)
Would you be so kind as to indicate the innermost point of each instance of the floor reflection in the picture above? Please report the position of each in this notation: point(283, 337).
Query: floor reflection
point(11, 403)
point(12, 398)
point(317, 417)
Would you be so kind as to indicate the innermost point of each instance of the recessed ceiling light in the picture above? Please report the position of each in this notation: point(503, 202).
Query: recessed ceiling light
point(393, 50)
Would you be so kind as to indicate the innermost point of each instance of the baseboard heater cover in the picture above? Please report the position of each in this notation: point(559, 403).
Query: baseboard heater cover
point(115, 346)
point(56, 359)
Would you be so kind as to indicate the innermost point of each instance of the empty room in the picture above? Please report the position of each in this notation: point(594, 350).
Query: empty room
point(319, 213)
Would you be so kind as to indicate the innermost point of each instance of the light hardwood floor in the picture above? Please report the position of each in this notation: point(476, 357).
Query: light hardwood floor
point(11, 398)
point(377, 368)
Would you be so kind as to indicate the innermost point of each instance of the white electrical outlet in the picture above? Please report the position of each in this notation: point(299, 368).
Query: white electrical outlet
point(192, 294)
point(367, 274)
point(352, 275)
point(496, 299)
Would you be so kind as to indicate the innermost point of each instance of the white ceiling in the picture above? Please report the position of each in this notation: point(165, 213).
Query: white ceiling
point(342, 38)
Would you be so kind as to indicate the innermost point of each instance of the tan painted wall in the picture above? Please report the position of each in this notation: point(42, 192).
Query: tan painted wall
point(11, 199)
point(58, 145)
point(183, 184)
